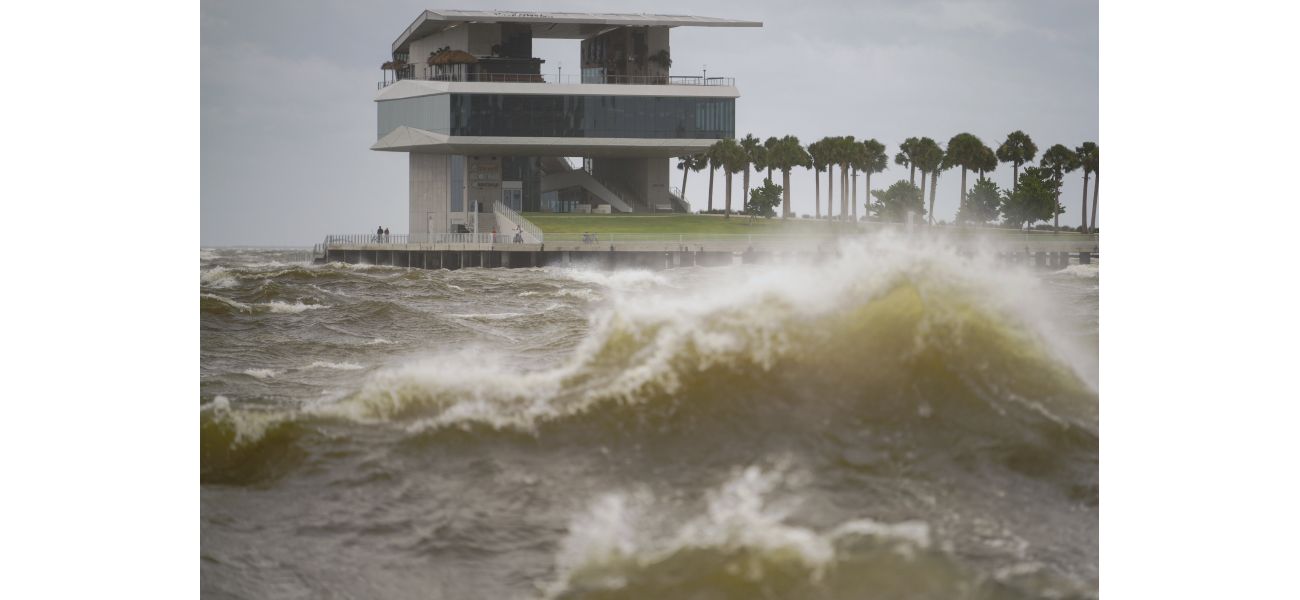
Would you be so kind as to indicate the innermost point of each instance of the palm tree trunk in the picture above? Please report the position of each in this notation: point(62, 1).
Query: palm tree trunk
point(745, 201)
point(1096, 183)
point(685, 172)
point(923, 196)
point(1015, 176)
point(963, 189)
point(854, 202)
point(817, 194)
point(785, 179)
point(844, 192)
point(830, 192)
point(1056, 218)
point(934, 184)
point(867, 196)
point(1083, 218)
point(912, 174)
point(728, 209)
point(710, 189)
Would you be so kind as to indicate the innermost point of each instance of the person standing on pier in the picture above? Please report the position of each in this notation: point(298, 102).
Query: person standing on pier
point(379, 234)
point(387, 239)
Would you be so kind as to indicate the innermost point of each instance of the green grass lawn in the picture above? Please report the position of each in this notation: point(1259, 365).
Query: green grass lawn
point(578, 223)
point(672, 223)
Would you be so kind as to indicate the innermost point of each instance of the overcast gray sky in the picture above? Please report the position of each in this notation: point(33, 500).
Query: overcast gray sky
point(288, 87)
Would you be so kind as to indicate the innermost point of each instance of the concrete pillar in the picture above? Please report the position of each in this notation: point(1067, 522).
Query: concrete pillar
point(1040, 259)
point(429, 194)
point(1085, 258)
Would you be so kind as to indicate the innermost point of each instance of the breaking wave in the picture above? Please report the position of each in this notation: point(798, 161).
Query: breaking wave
point(936, 347)
point(744, 543)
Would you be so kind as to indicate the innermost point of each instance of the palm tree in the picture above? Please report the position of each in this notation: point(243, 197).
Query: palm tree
point(1096, 183)
point(711, 156)
point(754, 155)
point(1059, 160)
point(831, 155)
point(818, 160)
point(1017, 150)
point(784, 155)
point(848, 148)
point(988, 161)
point(768, 145)
point(1088, 161)
point(854, 154)
point(904, 158)
point(875, 159)
point(928, 157)
point(965, 151)
point(688, 163)
point(733, 159)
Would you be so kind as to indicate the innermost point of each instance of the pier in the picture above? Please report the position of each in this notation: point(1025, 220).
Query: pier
point(657, 251)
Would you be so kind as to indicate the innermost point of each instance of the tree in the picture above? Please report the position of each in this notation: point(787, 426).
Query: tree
point(713, 159)
point(893, 204)
point(816, 154)
point(981, 204)
point(848, 156)
point(904, 158)
point(688, 163)
point(831, 154)
point(1017, 150)
point(755, 155)
point(1088, 161)
point(988, 161)
point(768, 144)
point(1059, 160)
point(928, 157)
point(786, 154)
point(1033, 198)
point(1096, 183)
point(872, 159)
point(732, 159)
point(763, 200)
point(965, 151)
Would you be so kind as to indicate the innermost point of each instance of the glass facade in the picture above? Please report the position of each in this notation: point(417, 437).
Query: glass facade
point(522, 115)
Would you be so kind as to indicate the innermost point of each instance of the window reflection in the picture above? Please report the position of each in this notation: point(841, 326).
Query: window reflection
point(591, 116)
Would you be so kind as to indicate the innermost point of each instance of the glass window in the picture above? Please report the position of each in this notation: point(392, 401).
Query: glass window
point(591, 116)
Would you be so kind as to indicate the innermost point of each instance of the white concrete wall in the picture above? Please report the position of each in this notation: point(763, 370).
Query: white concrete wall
point(429, 179)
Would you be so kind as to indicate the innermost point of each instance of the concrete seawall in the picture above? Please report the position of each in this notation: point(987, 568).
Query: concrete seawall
point(655, 256)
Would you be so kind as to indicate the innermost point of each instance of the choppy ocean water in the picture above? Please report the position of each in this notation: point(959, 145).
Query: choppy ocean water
point(896, 423)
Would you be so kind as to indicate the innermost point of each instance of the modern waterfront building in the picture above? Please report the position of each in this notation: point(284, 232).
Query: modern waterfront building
point(484, 128)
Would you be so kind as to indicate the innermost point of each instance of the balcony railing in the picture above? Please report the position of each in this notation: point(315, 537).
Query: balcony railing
point(572, 79)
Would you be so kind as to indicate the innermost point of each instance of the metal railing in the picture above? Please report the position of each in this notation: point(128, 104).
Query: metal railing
point(532, 234)
point(364, 238)
point(573, 79)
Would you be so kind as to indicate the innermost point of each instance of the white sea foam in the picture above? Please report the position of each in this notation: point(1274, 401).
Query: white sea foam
point(378, 342)
point(1088, 271)
point(263, 373)
point(620, 280)
point(218, 277)
point(277, 306)
point(583, 293)
point(747, 516)
point(341, 366)
point(237, 305)
point(486, 316)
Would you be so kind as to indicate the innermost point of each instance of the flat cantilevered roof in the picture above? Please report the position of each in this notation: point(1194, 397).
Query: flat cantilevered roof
point(554, 25)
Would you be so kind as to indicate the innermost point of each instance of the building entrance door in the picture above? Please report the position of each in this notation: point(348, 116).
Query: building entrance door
point(512, 195)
